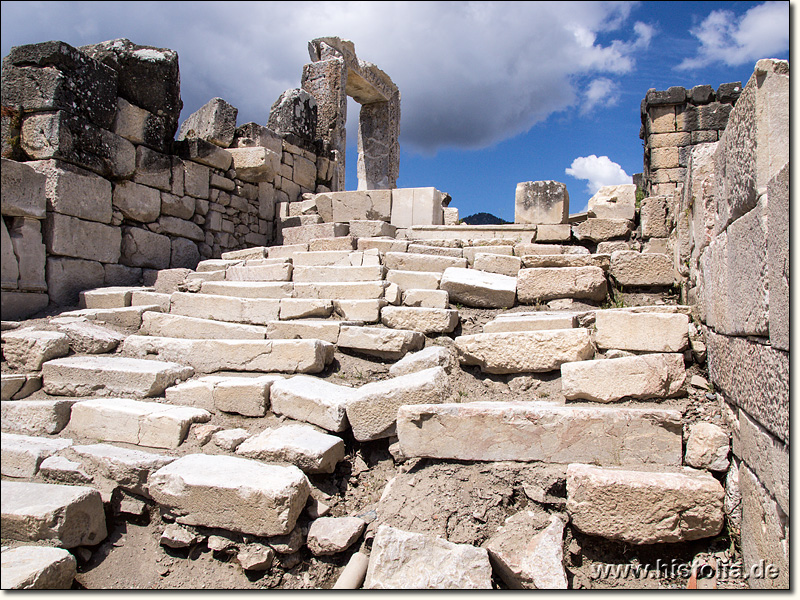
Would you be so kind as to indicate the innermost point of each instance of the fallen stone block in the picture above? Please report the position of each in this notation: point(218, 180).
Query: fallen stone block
point(312, 400)
point(22, 454)
point(359, 311)
point(390, 344)
point(327, 331)
point(372, 410)
point(420, 248)
point(405, 560)
point(531, 431)
point(305, 308)
point(88, 338)
point(127, 468)
point(26, 349)
point(357, 290)
point(244, 395)
point(255, 557)
point(135, 422)
point(414, 280)
point(639, 377)
point(36, 417)
point(179, 326)
point(37, 568)
point(338, 274)
point(632, 269)
point(541, 285)
point(613, 202)
point(424, 320)
point(110, 375)
point(301, 445)
point(230, 439)
point(644, 507)
point(427, 263)
point(707, 447)
point(479, 289)
point(253, 311)
point(248, 289)
point(331, 535)
point(70, 515)
point(175, 536)
point(232, 493)
point(209, 356)
point(531, 322)
point(524, 351)
point(645, 332)
point(430, 357)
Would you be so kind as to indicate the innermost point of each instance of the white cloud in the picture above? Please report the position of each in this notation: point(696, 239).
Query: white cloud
point(761, 32)
point(600, 92)
point(599, 171)
point(470, 73)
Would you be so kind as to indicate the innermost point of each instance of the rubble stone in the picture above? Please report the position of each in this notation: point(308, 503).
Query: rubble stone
point(27, 349)
point(331, 535)
point(707, 447)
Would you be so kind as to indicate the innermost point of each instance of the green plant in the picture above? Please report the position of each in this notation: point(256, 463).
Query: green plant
point(639, 198)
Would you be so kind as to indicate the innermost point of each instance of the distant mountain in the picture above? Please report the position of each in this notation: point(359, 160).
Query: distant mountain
point(483, 218)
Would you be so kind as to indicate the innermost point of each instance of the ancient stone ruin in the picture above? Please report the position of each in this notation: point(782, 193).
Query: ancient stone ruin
point(222, 370)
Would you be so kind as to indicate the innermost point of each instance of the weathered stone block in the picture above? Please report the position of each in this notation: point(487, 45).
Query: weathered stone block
point(391, 344)
point(414, 280)
point(66, 277)
point(23, 190)
point(477, 288)
point(232, 309)
point(22, 454)
point(255, 164)
point(416, 206)
point(27, 349)
point(36, 417)
point(707, 447)
point(497, 263)
point(424, 320)
point(301, 445)
point(748, 298)
point(342, 207)
point(307, 233)
point(312, 400)
point(76, 238)
point(778, 259)
point(244, 396)
point(127, 468)
point(543, 284)
point(645, 332)
point(612, 202)
point(38, 568)
point(634, 269)
point(178, 326)
point(600, 230)
point(541, 202)
point(215, 122)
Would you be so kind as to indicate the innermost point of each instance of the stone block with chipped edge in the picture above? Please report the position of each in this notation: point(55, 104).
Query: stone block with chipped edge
point(531, 322)
point(541, 202)
point(475, 288)
point(428, 358)
point(356, 290)
point(333, 244)
point(37, 568)
point(536, 285)
point(391, 344)
point(424, 320)
point(109, 297)
point(308, 329)
point(312, 400)
point(178, 326)
point(273, 272)
point(36, 417)
point(613, 202)
point(428, 263)
point(88, 338)
point(126, 316)
point(470, 251)
point(270, 290)
point(304, 308)
point(22, 454)
point(301, 445)
point(338, 274)
point(231, 309)
point(244, 395)
point(426, 298)
point(360, 311)
point(497, 263)
point(414, 280)
point(601, 230)
point(27, 349)
point(644, 332)
point(126, 467)
point(707, 447)
point(633, 269)
point(332, 535)
point(533, 261)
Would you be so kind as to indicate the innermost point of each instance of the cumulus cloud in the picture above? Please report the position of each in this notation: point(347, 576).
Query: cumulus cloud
point(599, 171)
point(470, 73)
point(600, 92)
point(759, 33)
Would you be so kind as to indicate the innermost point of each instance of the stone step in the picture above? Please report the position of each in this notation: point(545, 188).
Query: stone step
point(216, 264)
point(312, 400)
point(435, 250)
point(37, 568)
point(357, 290)
point(248, 289)
point(359, 311)
point(178, 326)
point(382, 245)
point(471, 251)
point(327, 244)
point(497, 263)
point(306, 329)
point(232, 309)
point(307, 233)
point(338, 274)
point(639, 377)
point(232, 493)
point(36, 417)
point(110, 375)
point(421, 262)
point(69, 515)
point(246, 254)
point(26, 349)
point(644, 507)
point(390, 344)
point(127, 316)
point(151, 299)
point(209, 356)
point(523, 232)
point(543, 261)
point(287, 250)
point(642, 331)
point(109, 297)
point(414, 280)
point(541, 432)
point(635, 269)
point(542, 284)
point(88, 338)
point(524, 351)
point(304, 308)
point(369, 228)
point(303, 446)
point(151, 424)
point(336, 258)
point(126, 467)
point(479, 289)
point(424, 320)
point(203, 392)
point(426, 298)
point(531, 322)
point(22, 454)
point(274, 272)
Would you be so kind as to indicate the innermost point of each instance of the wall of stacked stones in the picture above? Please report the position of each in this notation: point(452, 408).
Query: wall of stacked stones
point(96, 191)
point(732, 249)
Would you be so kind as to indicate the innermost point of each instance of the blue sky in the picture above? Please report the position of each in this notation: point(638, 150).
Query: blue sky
point(493, 93)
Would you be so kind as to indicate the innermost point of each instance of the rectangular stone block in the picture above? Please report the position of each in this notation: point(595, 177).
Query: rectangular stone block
point(469, 252)
point(109, 297)
point(566, 260)
point(425, 320)
point(382, 245)
point(748, 298)
point(426, 298)
point(249, 289)
point(421, 262)
point(338, 274)
point(305, 233)
point(22, 454)
point(637, 269)
point(368, 229)
point(778, 259)
point(414, 280)
point(338, 258)
point(653, 215)
point(435, 250)
point(274, 272)
point(600, 230)
point(253, 311)
point(36, 417)
point(23, 190)
point(542, 432)
point(543, 284)
point(416, 206)
point(497, 263)
point(332, 244)
point(254, 164)
point(531, 322)
point(29, 253)
point(307, 329)
point(544, 202)
point(644, 332)
point(360, 311)
point(245, 396)
point(177, 326)
point(20, 305)
point(341, 207)
point(391, 344)
point(357, 290)
point(303, 308)
point(312, 400)
point(76, 238)
point(66, 277)
point(611, 202)
point(553, 233)
point(472, 287)
point(765, 456)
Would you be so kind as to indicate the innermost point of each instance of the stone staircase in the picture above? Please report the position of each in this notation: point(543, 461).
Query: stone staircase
point(254, 339)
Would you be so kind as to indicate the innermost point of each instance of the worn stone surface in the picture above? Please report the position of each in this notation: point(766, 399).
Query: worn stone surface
point(36, 417)
point(76, 238)
point(245, 396)
point(765, 456)
point(357, 290)
point(646, 332)
point(76, 192)
point(37, 568)
point(428, 263)
point(497, 263)
point(71, 515)
point(748, 280)
point(543, 284)
point(404, 560)
point(634, 269)
point(778, 259)
point(531, 322)
point(544, 202)
point(613, 202)
point(600, 230)
point(414, 280)
point(231, 309)
point(301, 445)
point(27, 349)
point(312, 400)
point(215, 122)
point(391, 344)
point(479, 289)
point(525, 431)
point(303, 308)
point(342, 207)
point(178, 326)
point(22, 454)
point(426, 298)
point(331, 535)
point(142, 248)
point(338, 274)
point(417, 206)
point(372, 410)
point(248, 289)
point(128, 468)
point(707, 447)
point(307, 329)
point(232, 493)
point(424, 320)
point(105, 375)
point(640, 377)
point(639, 507)
point(23, 190)
point(524, 351)
point(430, 357)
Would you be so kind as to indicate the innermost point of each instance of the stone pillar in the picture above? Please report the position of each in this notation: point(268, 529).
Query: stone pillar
point(378, 131)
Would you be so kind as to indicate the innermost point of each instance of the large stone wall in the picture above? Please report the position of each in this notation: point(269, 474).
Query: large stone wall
point(97, 192)
point(732, 248)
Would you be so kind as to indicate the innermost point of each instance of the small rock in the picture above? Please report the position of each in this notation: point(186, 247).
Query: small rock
point(256, 557)
point(83, 554)
point(290, 561)
point(618, 354)
point(316, 508)
point(699, 382)
point(229, 439)
point(331, 535)
point(132, 506)
point(204, 433)
point(289, 544)
point(175, 536)
point(218, 543)
point(707, 447)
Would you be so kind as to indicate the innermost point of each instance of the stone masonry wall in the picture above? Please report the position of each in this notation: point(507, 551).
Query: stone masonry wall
point(97, 192)
point(732, 248)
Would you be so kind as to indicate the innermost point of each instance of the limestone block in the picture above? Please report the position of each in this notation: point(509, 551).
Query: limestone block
point(153, 169)
point(329, 244)
point(607, 248)
point(248, 289)
point(21, 305)
point(128, 468)
point(524, 351)
point(11, 384)
point(469, 252)
point(23, 190)
point(30, 253)
point(748, 298)
point(422, 262)
point(109, 297)
point(765, 456)
point(36, 417)
point(301, 308)
point(301, 445)
point(531, 322)
point(707, 447)
point(255, 164)
point(450, 216)
point(391, 344)
point(138, 125)
point(600, 230)
point(778, 259)
point(10, 263)
point(645, 332)
point(640, 377)
point(654, 217)
point(26, 349)
point(110, 375)
point(497, 263)
point(312, 400)
point(68, 236)
point(232, 493)
point(311, 329)
point(477, 288)
point(66, 277)
point(426, 298)
point(88, 338)
point(342, 207)
point(142, 248)
point(196, 178)
point(363, 311)
point(553, 233)
point(275, 272)
point(631, 269)
point(209, 265)
point(527, 551)
point(424, 320)
point(528, 249)
point(177, 326)
point(331, 535)
point(294, 112)
point(544, 202)
point(245, 253)
point(70, 515)
point(22, 454)
point(414, 280)
point(430, 357)
point(639, 507)
point(230, 439)
point(37, 568)
point(137, 202)
point(357, 290)
point(215, 122)
point(372, 410)
point(57, 469)
point(232, 309)
point(664, 158)
point(416, 206)
point(382, 245)
point(362, 228)
point(244, 396)
point(209, 356)
point(613, 202)
point(338, 274)
point(125, 316)
point(543, 284)
point(307, 233)
point(435, 250)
